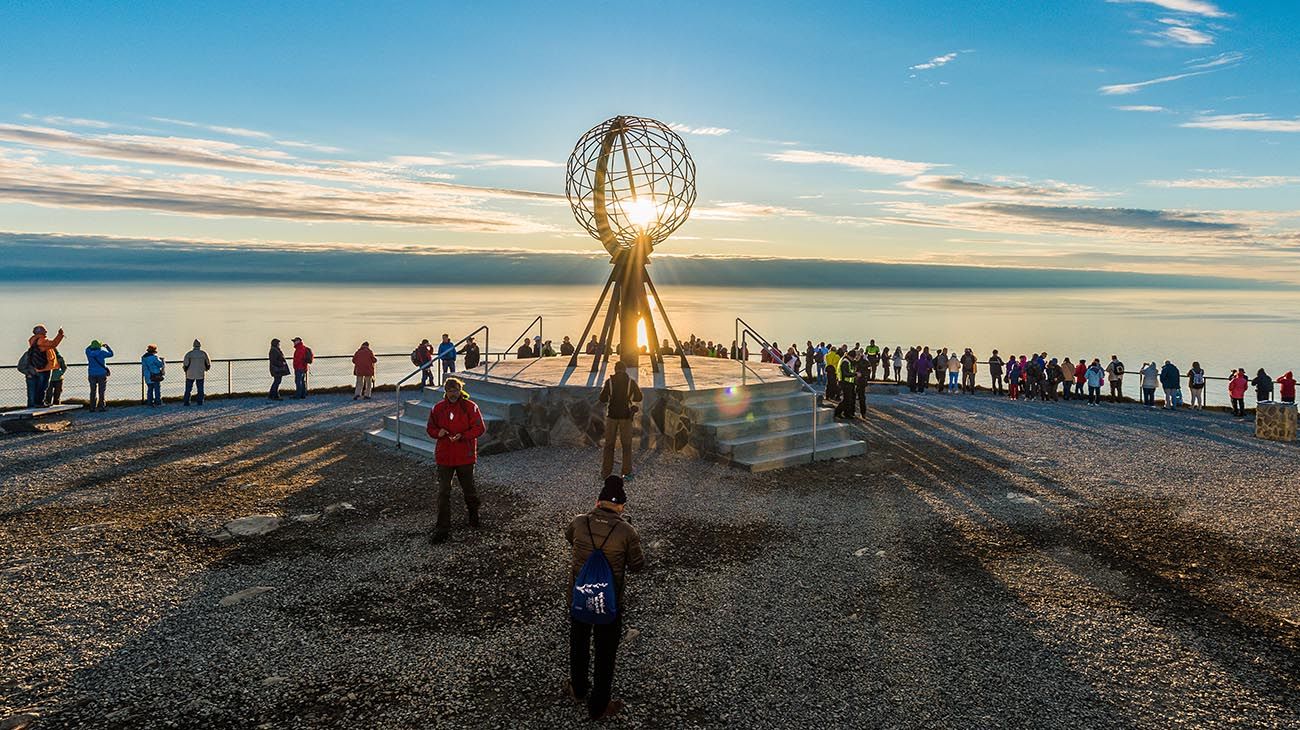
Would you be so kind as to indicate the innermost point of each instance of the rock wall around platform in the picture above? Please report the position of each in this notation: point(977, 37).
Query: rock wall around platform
point(1276, 421)
point(564, 416)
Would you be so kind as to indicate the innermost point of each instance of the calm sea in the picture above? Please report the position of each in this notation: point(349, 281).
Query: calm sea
point(1222, 329)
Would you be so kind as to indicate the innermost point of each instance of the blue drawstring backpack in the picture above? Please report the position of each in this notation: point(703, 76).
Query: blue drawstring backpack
point(594, 600)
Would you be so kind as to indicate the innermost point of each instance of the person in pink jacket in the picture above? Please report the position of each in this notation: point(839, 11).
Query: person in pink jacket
point(1237, 386)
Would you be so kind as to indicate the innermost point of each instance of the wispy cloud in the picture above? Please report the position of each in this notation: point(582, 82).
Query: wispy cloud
point(1202, 8)
point(70, 121)
point(247, 134)
point(1141, 108)
point(937, 61)
point(1133, 88)
point(1236, 182)
point(1186, 35)
point(699, 131)
point(736, 211)
point(867, 163)
point(23, 181)
point(1244, 122)
point(1223, 59)
point(998, 189)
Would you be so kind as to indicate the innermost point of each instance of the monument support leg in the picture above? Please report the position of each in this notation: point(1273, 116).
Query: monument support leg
point(659, 303)
point(582, 341)
point(607, 330)
point(629, 305)
point(651, 334)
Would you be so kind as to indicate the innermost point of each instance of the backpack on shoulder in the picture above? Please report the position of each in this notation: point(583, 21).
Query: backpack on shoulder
point(25, 364)
point(415, 357)
point(310, 358)
point(594, 600)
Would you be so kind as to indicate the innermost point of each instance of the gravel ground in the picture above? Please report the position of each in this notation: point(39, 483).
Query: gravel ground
point(987, 564)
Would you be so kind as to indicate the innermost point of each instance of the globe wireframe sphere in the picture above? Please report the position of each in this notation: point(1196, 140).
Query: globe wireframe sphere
point(630, 178)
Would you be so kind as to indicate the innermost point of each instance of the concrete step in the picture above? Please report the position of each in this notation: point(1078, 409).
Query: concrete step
point(752, 388)
point(739, 403)
point(489, 388)
point(489, 406)
point(389, 439)
point(794, 457)
point(776, 442)
point(749, 424)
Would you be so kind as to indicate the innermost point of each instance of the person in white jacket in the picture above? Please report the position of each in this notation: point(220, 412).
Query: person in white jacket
point(196, 366)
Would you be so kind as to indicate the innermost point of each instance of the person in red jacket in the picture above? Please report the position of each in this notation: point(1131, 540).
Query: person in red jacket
point(1286, 387)
point(455, 423)
point(1237, 385)
point(363, 366)
point(302, 358)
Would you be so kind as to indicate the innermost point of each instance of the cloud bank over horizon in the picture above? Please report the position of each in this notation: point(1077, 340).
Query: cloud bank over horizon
point(88, 259)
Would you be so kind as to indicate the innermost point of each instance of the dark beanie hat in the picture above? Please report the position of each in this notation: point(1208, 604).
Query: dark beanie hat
point(613, 490)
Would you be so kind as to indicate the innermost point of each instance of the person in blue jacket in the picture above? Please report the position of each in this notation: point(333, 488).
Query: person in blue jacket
point(447, 355)
point(152, 369)
point(97, 371)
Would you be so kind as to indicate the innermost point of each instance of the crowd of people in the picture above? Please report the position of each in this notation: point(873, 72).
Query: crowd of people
point(845, 372)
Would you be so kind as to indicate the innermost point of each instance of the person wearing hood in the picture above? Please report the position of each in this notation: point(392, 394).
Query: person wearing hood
point(455, 424)
point(279, 369)
point(1237, 385)
point(97, 371)
point(1196, 386)
point(1263, 386)
point(1169, 378)
point(41, 361)
point(1013, 378)
point(302, 360)
point(1286, 387)
point(196, 366)
point(1150, 375)
point(1096, 376)
point(153, 369)
point(566, 347)
point(363, 367)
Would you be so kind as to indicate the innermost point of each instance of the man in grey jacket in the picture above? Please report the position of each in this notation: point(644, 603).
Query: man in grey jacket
point(604, 527)
point(196, 366)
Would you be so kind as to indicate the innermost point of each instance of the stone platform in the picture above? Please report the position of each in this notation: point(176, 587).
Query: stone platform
point(1275, 421)
point(750, 415)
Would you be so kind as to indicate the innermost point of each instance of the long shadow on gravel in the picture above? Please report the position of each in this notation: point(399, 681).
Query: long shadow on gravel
point(1174, 565)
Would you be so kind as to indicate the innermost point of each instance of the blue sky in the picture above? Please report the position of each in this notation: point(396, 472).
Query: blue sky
point(1147, 135)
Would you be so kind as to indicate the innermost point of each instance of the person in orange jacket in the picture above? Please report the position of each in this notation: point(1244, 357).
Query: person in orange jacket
point(42, 360)
point(363, 366)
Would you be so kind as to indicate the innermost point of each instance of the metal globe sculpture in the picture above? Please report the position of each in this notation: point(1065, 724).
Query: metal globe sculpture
point(630, 179)
point(630, 183)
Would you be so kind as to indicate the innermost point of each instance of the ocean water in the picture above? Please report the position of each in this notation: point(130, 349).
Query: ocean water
point(1221, 329)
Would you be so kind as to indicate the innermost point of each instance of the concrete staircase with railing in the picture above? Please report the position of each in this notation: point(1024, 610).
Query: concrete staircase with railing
point(498, 404)
point(767, 426)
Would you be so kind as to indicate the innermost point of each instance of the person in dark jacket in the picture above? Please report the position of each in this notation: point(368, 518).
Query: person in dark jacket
point(1263, 386)
point(423, 358)
point(279, 369)
point(604, 527)
point(621, 394)
point(566, 347)
point(1170, 377)
point(995, 373)
point(455, 424)
point(848, 385)
point(473, 355)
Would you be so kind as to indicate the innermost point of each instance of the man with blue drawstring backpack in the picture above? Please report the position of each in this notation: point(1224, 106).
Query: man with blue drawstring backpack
point(605, 545)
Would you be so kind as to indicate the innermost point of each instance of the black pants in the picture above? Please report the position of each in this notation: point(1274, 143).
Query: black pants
point(1148, 397)
point(968, 381)
point(275, 386)
point(997, 383)
point(1239, 406)
point(862, 397)
point(465, 475)
point(911, 379)
point(832, 385)
point(596, 689)
point(1116, 390)
point(1094, 395)
point(845, 408)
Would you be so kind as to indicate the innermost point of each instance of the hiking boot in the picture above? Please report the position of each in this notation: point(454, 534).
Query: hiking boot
point(439, 536)
point(610, 710)
point(473, 519)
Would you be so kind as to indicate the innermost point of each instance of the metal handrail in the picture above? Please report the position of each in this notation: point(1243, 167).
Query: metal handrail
point(742, 343)
point(536, 321)
point(397, 389)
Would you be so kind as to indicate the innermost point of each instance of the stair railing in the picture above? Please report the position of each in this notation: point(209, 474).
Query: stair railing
point(505, 354)
point(743, 331)
point(397, 424)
